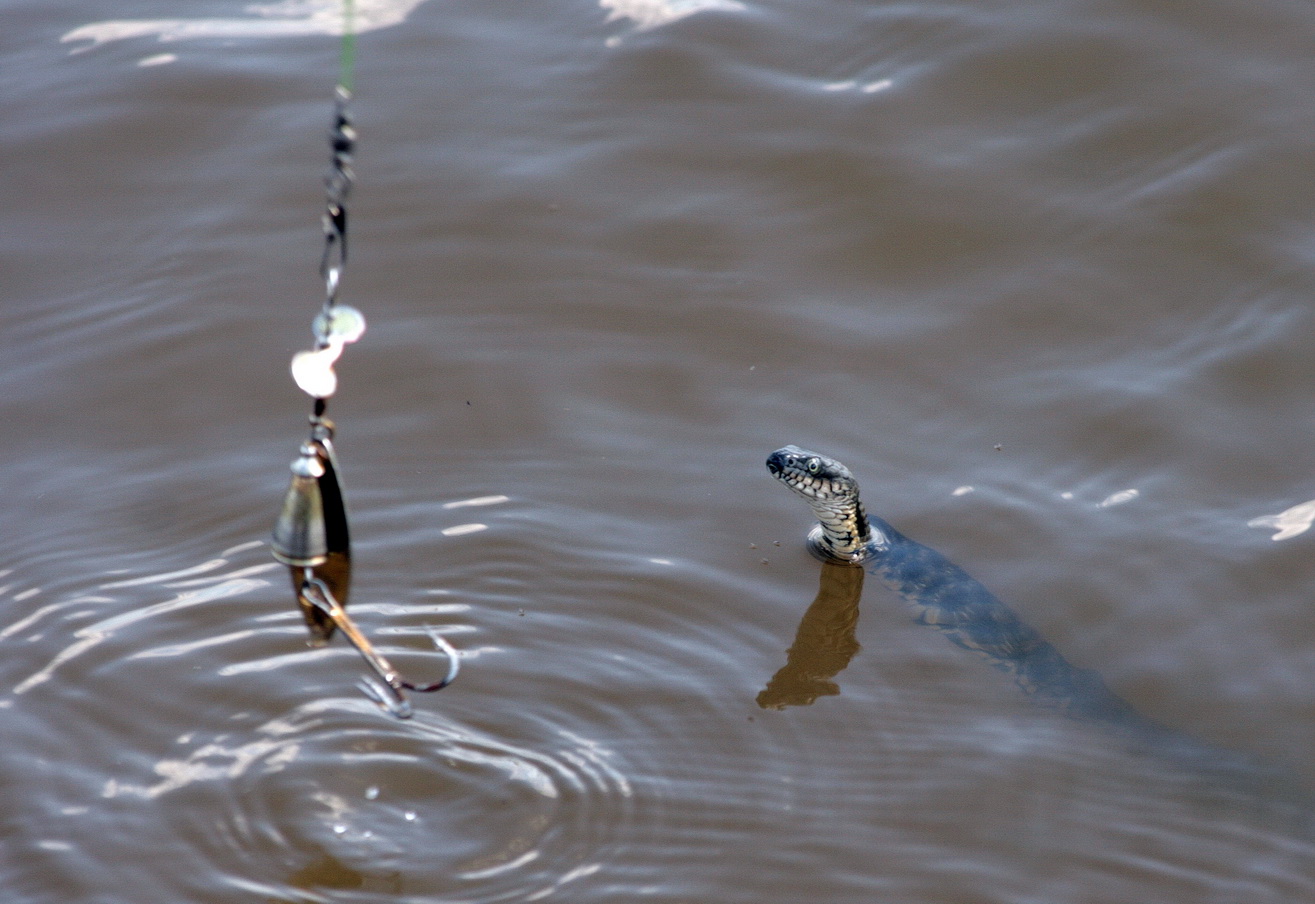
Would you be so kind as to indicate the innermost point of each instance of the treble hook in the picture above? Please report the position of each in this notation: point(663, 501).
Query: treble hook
point(388, 695)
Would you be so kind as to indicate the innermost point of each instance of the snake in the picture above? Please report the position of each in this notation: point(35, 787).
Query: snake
point(943, 595)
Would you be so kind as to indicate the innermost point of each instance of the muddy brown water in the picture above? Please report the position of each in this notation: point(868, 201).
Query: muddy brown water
point(1040, 274)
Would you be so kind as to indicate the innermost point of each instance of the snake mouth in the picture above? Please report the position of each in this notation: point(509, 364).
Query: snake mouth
point(777, 461)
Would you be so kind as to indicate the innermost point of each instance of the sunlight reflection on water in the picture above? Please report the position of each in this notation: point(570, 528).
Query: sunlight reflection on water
point(326, 17)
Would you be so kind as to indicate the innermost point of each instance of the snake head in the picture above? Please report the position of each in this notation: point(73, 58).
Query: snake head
point(843, 533)
point(812, 475)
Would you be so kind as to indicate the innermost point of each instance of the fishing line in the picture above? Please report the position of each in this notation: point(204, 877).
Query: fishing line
point(347, 57)
point(311, 535)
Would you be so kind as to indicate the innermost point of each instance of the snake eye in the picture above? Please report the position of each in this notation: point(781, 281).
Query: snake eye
point(814, 466)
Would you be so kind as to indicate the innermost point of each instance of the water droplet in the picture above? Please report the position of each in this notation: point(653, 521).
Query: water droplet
point(409, 816)
point(372, 792)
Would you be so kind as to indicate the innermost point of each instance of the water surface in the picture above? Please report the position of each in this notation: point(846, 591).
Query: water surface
point(1008, 262)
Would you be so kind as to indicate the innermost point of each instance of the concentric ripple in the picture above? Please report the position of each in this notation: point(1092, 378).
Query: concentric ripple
point(334, 796)
point(257, 779)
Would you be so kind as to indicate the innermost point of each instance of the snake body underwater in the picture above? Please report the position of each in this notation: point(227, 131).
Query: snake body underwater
point(943, 595)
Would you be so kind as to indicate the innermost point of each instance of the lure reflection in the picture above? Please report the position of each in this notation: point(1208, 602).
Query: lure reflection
point(311, 538)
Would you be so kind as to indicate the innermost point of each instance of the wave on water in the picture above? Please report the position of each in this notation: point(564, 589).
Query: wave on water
point(264, 20)
point(192, 592)
point(267, 787)
point(449, 811)
point(646, 14)
point(1289, 522)
point(292, 18)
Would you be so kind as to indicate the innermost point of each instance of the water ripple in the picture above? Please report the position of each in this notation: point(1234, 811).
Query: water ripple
point(300, 794)
point(458, 813)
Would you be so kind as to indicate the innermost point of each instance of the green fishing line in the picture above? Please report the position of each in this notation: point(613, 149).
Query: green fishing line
point(348, 56)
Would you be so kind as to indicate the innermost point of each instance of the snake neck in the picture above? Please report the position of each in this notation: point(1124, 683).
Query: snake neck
point(843, 532)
